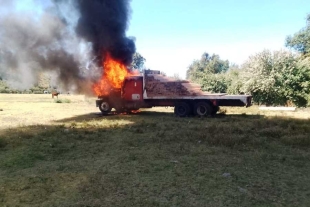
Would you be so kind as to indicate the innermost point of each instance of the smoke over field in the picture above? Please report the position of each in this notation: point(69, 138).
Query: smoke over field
point(66, 38)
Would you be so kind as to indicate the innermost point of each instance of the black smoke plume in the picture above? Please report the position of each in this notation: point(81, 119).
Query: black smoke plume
point(63, 37)
point(104, 23)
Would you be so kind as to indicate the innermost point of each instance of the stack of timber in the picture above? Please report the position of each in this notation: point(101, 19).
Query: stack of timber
point(159, 85)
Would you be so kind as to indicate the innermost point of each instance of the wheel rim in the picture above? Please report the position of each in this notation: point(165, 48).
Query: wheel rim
point(202, 110)
point(105, 106)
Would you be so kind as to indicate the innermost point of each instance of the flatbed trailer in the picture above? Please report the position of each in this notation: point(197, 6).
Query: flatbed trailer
point(152, 89)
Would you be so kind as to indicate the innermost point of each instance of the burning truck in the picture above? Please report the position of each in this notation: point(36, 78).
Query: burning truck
point(126, 91)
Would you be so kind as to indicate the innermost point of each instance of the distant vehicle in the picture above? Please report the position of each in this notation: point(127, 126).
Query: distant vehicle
point(153, 89)
point(46, 92)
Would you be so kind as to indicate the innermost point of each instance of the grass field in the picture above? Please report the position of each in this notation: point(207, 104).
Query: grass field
point(68, 154)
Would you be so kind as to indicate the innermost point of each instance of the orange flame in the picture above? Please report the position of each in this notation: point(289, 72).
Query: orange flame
point(113, 76)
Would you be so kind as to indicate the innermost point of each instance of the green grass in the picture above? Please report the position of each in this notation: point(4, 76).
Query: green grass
point(157, 159)
point(62, 101)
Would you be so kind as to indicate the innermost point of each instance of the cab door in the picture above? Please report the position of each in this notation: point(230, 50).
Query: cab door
point(133, 89)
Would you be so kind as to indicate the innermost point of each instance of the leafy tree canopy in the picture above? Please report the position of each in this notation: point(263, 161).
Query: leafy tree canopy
point(300, 41)
point(277, 78)
point(206, 65)
point(138, 62)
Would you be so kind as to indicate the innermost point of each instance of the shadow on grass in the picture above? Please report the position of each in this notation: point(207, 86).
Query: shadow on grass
point(115, 116)
point(157, 159)
point(243, 116)
point(150, 115)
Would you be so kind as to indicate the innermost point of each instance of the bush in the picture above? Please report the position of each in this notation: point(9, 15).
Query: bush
point(4, 91)
point(215, 83)
point(37, 92)
point(274, 78)
point(62, 101)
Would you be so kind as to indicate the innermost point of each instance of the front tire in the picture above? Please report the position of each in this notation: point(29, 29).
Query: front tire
point(105, 107)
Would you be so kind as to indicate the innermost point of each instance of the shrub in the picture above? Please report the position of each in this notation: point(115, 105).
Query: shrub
point(62, 101)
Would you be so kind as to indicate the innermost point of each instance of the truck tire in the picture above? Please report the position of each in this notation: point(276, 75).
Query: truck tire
point(182, 109)
point(105, 107)
point(202, 109)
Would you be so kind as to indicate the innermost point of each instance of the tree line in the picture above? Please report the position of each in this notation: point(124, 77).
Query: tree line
point(271, 77)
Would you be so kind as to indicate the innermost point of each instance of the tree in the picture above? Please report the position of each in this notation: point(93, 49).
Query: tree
point(300, 41)
point(176, 76)
point(208, 71)
point(206, 65)
point(234, 81)
point(138, 62)
point(216, 83)
point(276, 78)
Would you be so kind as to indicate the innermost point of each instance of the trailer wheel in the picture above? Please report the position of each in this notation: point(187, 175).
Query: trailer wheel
point(202, 109)
point(105, 107)
point(182, 109)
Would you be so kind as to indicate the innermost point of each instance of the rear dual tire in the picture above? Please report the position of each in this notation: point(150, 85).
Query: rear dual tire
point(182, 109)
point(202, 109)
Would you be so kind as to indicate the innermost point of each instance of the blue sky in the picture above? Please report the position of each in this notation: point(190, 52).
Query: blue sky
point(170, 34)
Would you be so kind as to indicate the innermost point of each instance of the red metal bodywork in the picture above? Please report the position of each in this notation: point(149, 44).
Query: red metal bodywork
point(133, 89)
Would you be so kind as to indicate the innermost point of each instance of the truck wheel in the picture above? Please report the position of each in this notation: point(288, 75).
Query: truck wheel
point(202, 109)
point(105, 107)
point(182, 109)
